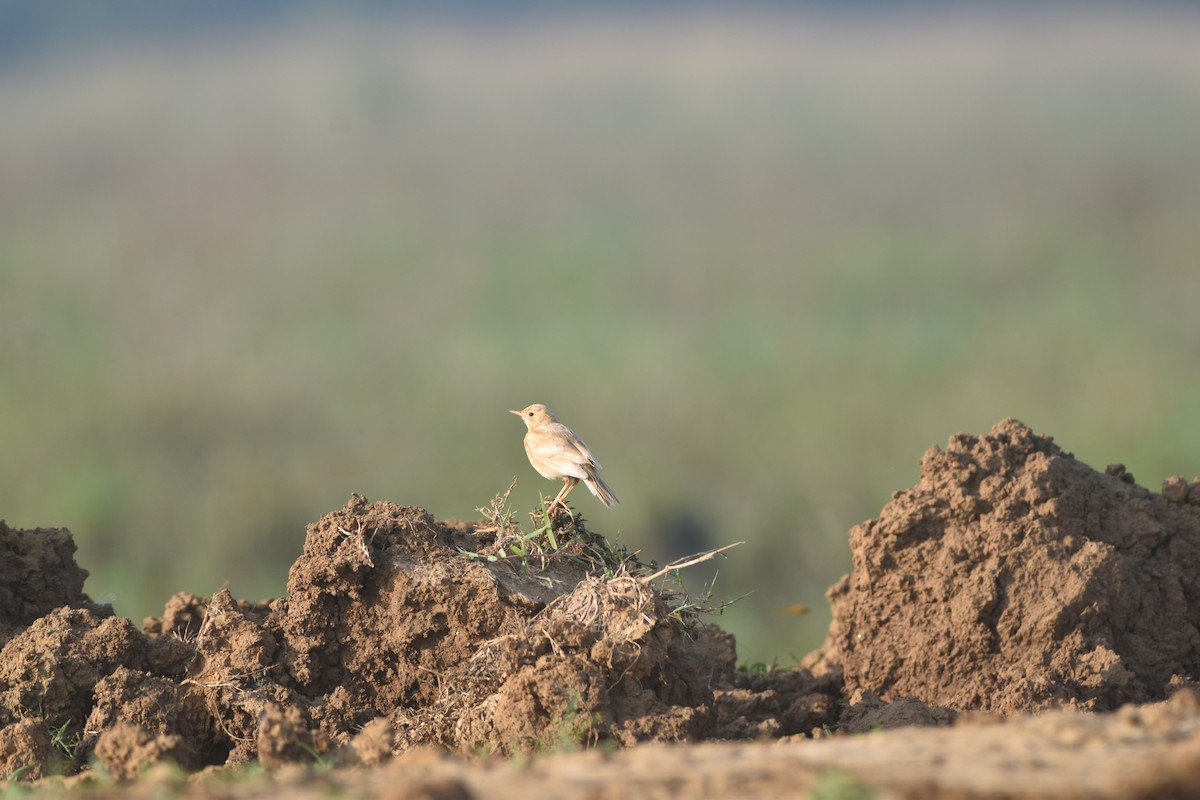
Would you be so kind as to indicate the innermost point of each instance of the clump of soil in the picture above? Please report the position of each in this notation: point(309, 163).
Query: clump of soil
point(870, 712)
point(397, 632)
point(24, 749)
point(1014, 578)
point(50, 669)
point(38, 574)
point(127, 749)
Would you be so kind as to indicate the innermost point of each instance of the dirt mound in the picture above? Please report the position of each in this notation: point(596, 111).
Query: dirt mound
point(1013, 578)
point(385, 618)
point(398, 631)
point(38, 574)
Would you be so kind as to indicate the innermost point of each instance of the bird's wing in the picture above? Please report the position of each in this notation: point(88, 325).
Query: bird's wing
point(579, 448)
point(565, 455)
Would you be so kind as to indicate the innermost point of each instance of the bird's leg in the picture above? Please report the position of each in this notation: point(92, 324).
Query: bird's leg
point(560, 500)
point(568, 485)
point(550, 506)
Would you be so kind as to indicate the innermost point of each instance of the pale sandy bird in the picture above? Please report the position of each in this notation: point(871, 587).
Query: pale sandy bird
point(558, 454)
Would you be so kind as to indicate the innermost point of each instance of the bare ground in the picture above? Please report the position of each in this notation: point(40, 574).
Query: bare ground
point(1015, 625)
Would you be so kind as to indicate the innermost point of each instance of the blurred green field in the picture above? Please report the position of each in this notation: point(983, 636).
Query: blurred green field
point(760, 262)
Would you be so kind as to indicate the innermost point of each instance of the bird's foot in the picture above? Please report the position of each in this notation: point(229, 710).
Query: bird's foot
point(556, 506)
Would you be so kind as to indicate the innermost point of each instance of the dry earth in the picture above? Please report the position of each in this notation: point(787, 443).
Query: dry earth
point(1015, 625)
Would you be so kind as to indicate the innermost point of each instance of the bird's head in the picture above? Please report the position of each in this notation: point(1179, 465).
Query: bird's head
point(535, 414)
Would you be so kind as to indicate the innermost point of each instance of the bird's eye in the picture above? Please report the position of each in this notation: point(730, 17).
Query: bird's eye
point(531, 413)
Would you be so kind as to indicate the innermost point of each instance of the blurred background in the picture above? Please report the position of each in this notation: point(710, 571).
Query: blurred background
point(256, 256)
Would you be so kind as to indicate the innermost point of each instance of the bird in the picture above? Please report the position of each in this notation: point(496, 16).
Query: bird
point(557, 453)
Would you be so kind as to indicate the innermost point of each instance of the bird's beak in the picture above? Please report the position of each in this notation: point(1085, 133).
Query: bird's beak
point(518, 413)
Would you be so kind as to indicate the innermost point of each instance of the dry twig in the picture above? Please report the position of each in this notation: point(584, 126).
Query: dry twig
point(688, 561)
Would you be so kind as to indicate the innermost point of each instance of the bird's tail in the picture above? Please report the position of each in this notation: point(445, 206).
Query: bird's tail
point(600, 489)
